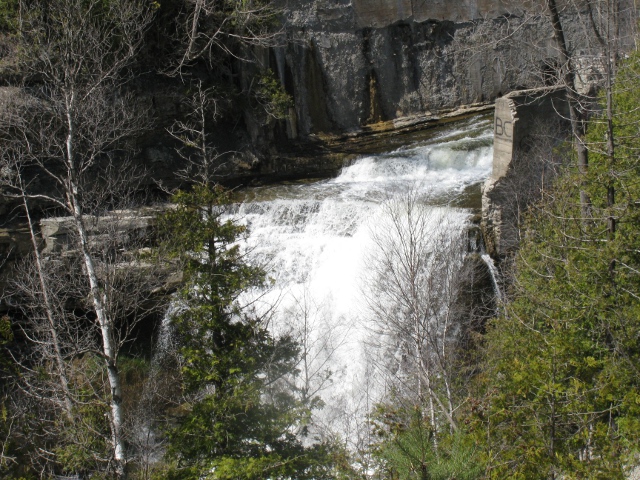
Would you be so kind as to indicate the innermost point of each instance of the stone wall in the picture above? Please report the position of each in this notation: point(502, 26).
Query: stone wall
point(528, 127)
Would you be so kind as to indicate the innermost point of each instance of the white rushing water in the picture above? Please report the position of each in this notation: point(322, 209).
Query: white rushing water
point(314, 239)
point(493, 273)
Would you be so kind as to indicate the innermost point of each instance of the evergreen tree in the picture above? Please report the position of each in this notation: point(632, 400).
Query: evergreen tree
point(562, 376)
point(8, 413)
point(238, 421)
point(406, 449)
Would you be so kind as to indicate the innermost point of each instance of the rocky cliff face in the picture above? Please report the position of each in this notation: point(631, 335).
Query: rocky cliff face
point(362, 66)
point(367, 66)
point(353, 63)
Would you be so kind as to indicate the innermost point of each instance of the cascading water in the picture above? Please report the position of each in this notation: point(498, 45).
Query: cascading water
point(314, 239)
point(493, 273)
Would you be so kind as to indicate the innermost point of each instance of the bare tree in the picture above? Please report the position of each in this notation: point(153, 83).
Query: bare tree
point(202, 159)
point(12, 410)
point(415, 284)
point(214, 30)
point(46, 301)
point(319, 339)
point(62, 370)
point(71, 131)
point(50, 379)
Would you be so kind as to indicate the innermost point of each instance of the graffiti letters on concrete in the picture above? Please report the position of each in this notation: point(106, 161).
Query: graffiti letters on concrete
point(503, 129)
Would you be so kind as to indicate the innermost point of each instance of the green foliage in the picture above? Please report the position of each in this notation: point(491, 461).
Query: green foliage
point(272, 96)
point(39, 437)
point(407, 448)
point(562, 377)
point(203, 241)
point(8, 15)
point(83, 441)
point(239, 419)
point(7, 378)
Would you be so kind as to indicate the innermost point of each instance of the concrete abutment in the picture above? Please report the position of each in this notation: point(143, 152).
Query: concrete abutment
point(528, 127)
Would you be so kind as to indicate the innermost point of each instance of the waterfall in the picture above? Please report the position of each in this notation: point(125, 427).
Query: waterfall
point(145, 441)
point(313, 239)
point(493, 272)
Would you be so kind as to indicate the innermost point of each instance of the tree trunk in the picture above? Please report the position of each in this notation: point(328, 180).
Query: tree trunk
point(49, 310)
point(573, 101)
point(109, 348)
point(610, 49)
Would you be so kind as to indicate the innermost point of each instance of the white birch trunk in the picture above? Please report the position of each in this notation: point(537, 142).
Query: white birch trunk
point(109, 349)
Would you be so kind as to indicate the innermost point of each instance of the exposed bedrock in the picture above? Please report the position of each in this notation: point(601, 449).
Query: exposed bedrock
point(350, 64)
point(360, 71)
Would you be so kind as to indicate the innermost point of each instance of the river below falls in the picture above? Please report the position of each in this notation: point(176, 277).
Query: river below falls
point(314, 239)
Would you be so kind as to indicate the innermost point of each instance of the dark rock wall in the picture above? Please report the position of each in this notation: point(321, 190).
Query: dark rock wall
point(352, 63)
point(361, 62)
point(361, 66)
